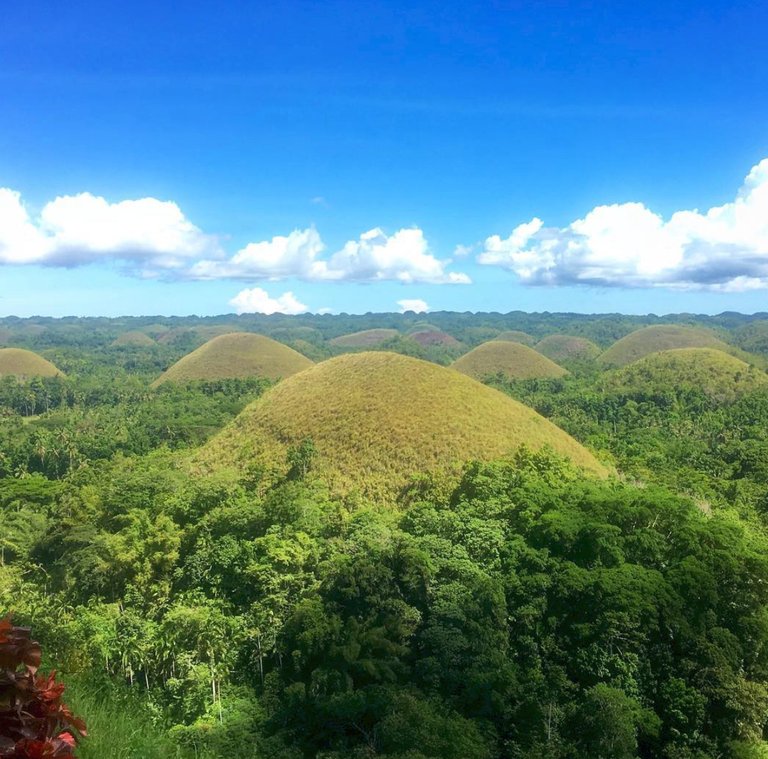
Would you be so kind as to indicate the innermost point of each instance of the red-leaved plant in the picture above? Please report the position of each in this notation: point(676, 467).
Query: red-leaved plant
point(34, 723)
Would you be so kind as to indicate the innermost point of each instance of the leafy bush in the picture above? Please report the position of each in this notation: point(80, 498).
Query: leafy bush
point(34, 722)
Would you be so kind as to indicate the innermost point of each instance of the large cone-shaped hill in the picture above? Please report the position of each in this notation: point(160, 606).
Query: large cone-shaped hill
point(237, 354)
point(717, 374)
point(660, 337)
point(24, 364)
point(567, 348)
point(513, 360)
point(377, 418)
point(368, 338)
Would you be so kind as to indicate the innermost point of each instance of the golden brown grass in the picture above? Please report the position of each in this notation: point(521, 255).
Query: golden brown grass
point(567, 348)
point(719, 375)
point(368, 338)
point(238, 354)
point(512, 360)
point(660, 337)
point(25, 364)
point(516, 336)
point(377, 418)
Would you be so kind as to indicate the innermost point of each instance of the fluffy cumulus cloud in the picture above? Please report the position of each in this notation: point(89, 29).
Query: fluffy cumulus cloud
point(724, 248)
point(153, 238)
point(148, 235)
point(375, 256)
point(413, 304)
point(258, 301)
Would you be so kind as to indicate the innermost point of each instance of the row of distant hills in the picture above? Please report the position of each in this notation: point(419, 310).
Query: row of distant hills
point(373, 409)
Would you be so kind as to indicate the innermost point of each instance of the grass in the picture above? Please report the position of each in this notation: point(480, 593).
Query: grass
point(427, 337)
point(378, 418)
point(719, 375)
point(119, 724)
point(516, 336)
point(661, 337)
point(568, 348)
point(238, 354)
point(368, 338)
point(23, 363)
point(134, 338)
point(512, 360)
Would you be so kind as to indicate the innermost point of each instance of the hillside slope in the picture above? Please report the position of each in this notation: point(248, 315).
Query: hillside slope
point(237, 354)
point(567, 348)
point(22, 363)
point(513, 360)
point(660, 337)
point(377, 418)
point(367, 338)
point(718, 374)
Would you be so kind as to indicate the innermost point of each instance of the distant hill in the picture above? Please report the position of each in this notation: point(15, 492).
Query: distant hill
point(368, 338)
point(423, 327)
point(377, 418)
point(25, 364)
point(516, 336)
point(661, 337)
point(718, 374)
point(429, 337)
point(567, 348)
point(237, 354)
point(513, 360)
point(134, 339)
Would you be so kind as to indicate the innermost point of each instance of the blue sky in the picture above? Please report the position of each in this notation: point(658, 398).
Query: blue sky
point(160, 158)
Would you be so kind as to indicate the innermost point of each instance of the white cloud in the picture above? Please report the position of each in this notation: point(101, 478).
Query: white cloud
point(294, 255)
point(259, 301)
point(147, 234)
point(415, 304)
point(724, 248)
point(153, 238)
point(375, 256)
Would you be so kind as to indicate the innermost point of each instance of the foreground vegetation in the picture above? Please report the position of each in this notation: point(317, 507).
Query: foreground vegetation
point(521, 610)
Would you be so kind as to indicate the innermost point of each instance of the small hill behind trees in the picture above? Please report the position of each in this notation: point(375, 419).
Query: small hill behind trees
point(24, 364)
point(512, 360)
point(567, 348)
point(237, 354)
point(427, 338)
point(516, 336)
point(718, 374)
point(660, 337)
point(370, 421)
point(133, 339)
point(367, 338)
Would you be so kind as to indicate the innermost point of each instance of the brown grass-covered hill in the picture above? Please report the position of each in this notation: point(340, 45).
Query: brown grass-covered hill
point(567, 348)
point(25, 364)
point(516, 336)
point(378, 418)
point(719, 375)
point(237, 354)
point(133, 339)
point(368, 338)
point(661, 337)
point(513, 360)
point(428, 337)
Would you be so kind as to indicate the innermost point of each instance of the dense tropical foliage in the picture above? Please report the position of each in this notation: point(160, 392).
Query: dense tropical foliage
point(526, 611)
